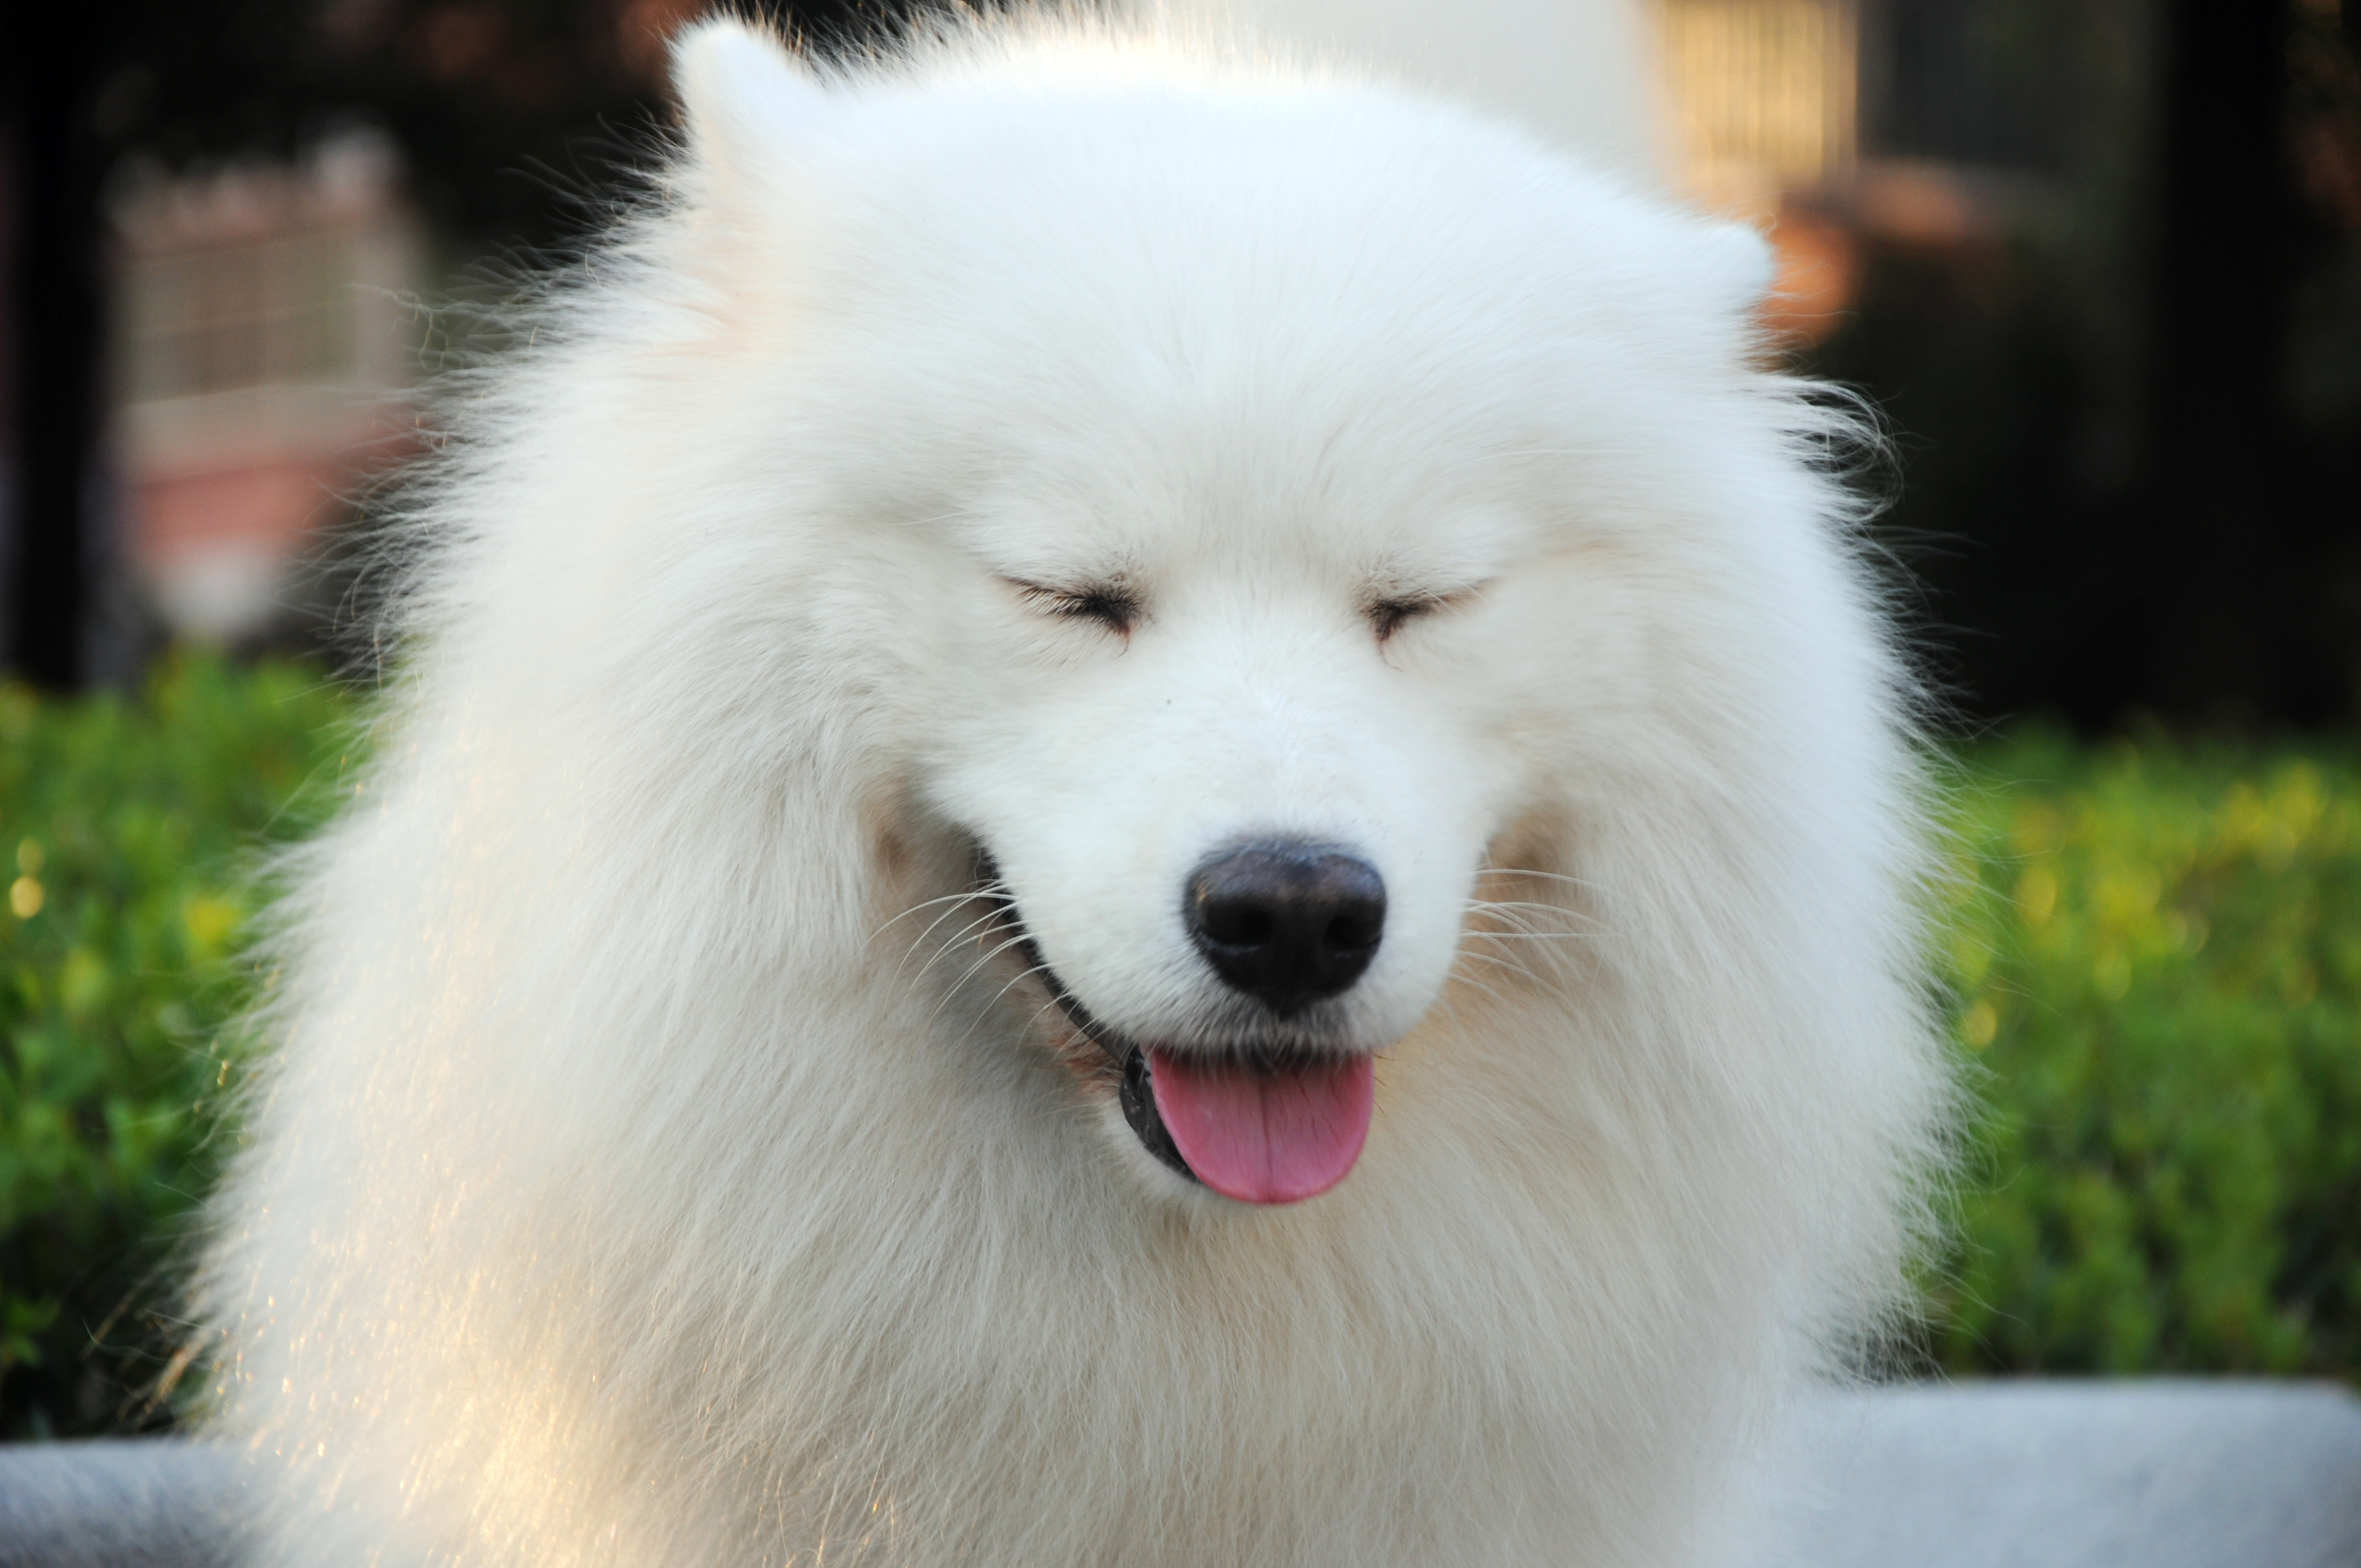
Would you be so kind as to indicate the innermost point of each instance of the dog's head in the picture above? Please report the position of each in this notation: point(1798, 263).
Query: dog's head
point(1229, 810)
point(1270, 497)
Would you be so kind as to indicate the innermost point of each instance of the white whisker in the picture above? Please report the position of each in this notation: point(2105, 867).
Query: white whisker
point(1538, 875)
point(915, 908)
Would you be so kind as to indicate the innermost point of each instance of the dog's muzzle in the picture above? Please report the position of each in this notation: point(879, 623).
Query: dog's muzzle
point(1288, 926)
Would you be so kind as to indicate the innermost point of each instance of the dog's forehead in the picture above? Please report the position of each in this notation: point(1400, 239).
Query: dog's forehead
point(1121, 411)
point(1133, 333)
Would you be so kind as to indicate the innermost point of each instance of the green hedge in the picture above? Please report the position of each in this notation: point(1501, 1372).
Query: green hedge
point(129, 833)
point(2156, 958)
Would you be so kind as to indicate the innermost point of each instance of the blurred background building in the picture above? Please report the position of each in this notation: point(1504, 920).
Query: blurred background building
point(2098, 260)
point(266, 327)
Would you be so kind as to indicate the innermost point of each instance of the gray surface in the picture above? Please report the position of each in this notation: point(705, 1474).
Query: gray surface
point(2126, 1475)
point(2135, 1475)
point(133, 1503)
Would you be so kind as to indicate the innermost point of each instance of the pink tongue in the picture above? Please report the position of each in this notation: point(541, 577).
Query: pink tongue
point(1265, 1137)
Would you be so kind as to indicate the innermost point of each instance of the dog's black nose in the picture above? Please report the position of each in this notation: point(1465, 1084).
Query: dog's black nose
point(1287, 922)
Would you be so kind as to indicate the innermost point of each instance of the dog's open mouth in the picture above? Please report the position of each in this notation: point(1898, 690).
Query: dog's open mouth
point(1255, 1126)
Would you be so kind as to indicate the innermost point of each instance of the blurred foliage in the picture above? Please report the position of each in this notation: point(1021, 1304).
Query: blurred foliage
point(130, 831)
point(2158, 960)
point(2156, 952)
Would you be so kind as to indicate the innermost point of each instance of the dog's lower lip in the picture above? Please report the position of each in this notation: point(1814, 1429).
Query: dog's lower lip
point(1135, 1092)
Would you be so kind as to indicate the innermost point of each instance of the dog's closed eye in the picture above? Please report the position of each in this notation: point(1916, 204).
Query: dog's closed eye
point(1111, 605)
point(1389, 615)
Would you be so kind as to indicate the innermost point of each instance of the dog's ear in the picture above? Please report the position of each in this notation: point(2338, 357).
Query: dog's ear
point(744, 99)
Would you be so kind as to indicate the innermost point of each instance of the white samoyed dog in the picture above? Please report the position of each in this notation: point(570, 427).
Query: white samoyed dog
point(1140, 812)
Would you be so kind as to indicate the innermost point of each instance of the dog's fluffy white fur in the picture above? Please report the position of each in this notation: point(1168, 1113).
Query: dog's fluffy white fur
point(666, 1158)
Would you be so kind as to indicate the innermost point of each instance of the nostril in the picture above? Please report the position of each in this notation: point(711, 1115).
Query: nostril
point(1287, 921)
point(1236, 924)
point(1349, 931)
